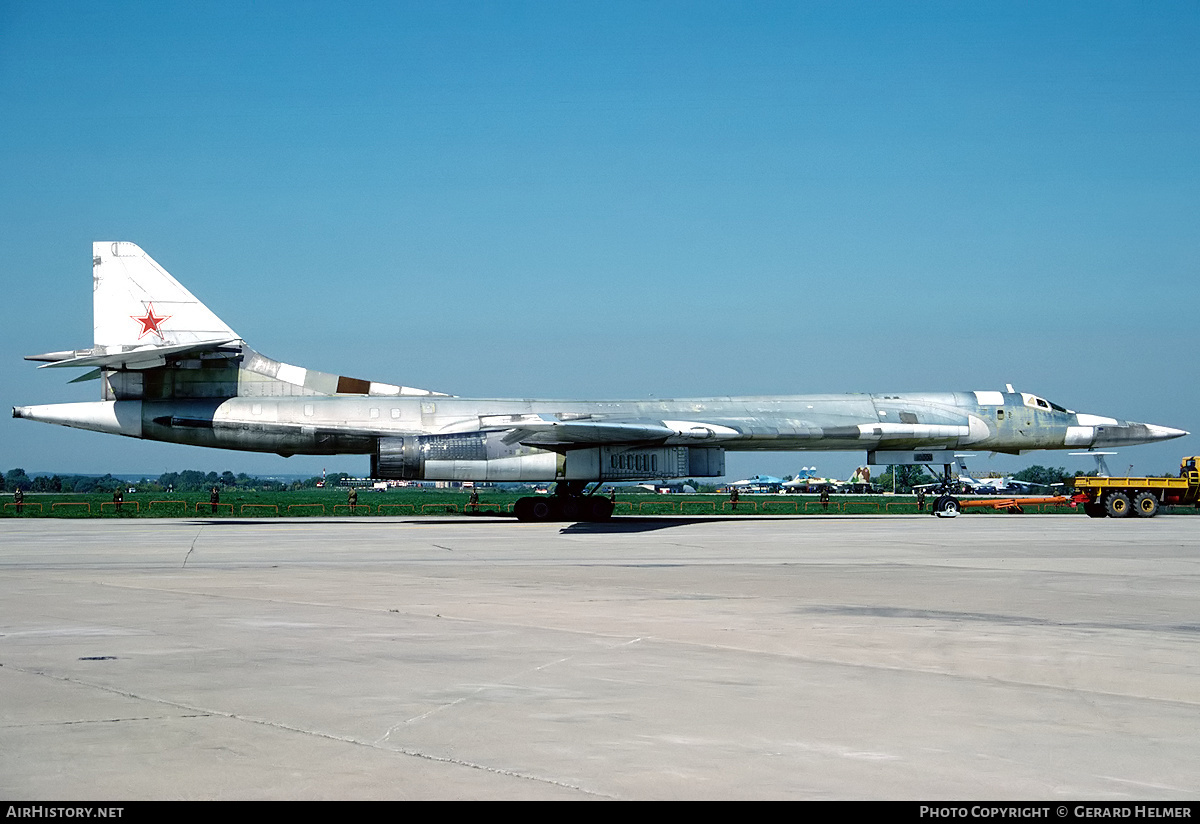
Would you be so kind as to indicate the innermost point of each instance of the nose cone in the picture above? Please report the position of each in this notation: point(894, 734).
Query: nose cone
point(1128, 434)
point(1162, 433)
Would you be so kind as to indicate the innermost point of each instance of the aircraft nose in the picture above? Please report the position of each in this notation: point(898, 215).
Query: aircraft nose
point(1135, 433)
point(1162, 433)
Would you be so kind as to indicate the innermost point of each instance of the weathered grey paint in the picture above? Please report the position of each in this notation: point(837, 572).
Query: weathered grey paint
point(177, 373)
point(189, 401)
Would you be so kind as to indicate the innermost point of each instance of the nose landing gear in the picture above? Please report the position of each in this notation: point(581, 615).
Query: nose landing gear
point(946, 505)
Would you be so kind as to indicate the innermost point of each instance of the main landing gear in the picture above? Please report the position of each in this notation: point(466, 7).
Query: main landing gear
point(568, 503)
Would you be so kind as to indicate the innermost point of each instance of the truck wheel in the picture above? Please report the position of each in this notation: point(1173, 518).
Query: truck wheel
point(1145, 504)
point(1117, 504)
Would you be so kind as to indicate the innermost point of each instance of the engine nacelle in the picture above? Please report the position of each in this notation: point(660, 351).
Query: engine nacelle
point(472, 456)
point(484, 456)
point(623, 463)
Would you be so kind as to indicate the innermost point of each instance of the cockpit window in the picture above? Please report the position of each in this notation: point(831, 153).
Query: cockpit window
point(1041, 403)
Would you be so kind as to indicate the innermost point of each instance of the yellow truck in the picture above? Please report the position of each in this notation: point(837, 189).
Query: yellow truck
point(1118, 497)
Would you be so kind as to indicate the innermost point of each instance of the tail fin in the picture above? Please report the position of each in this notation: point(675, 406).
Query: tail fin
point(151, 333)
point(135, 303)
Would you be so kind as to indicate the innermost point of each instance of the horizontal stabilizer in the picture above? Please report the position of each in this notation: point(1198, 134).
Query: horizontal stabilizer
point(142, 358)
point(93, 375)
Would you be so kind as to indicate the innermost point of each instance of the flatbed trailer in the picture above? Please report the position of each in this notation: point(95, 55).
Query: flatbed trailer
point(1014, 505)
point(1118, 497)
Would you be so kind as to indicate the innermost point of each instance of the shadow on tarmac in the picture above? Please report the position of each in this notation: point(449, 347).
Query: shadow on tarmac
point(618, 525)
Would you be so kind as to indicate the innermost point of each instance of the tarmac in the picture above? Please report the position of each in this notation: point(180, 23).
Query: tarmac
point(852, 657)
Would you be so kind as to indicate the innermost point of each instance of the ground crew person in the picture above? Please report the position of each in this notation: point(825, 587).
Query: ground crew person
point(353, 499)
point(214, 498)
point(118, 498)
point(19, 499)
point(733, 497)
point(825, 498)
point(920, 500)
point(473, 501)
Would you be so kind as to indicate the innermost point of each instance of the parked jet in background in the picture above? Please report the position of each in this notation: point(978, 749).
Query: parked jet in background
point(171, 370)
point(860, 481)
point(759, 483)
point(807, 480)
point(997, 486)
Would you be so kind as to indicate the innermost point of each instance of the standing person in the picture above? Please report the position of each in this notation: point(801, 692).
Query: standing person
point(825, 498)
point(733, 496)
point(118, 498)
point(473, 501)
point(920, 500)
point(19, 499)
point(353, 499)
point(214, 498)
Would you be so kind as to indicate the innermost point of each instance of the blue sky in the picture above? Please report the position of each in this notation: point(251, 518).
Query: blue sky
point(618, 200)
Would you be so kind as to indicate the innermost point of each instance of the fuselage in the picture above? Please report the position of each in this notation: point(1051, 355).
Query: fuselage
point(170, 370)
point(318, 425)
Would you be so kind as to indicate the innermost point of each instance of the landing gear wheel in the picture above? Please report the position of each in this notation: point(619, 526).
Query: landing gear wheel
point(535, 509)
point(601, 509)
point(1117, 504)
point(1145, 505)
point(1094, 510)
point(521, 509)
point(946, 506)
point(543, 509)
point(570, 508)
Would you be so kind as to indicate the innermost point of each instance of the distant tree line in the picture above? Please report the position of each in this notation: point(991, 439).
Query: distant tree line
point(189, 480)
point(193, 480)
point(1047, 475)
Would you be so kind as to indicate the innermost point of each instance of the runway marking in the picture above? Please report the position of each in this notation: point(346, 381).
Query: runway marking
point(202, 712)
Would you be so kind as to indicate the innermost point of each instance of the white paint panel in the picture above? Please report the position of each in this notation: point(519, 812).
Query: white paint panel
point(892, 431)
point(986, 398)
point(1080, 436)
point(1095, 420)
point(292, 374)
point(978, 430)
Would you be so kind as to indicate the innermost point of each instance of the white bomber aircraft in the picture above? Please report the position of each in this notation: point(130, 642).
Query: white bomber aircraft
point(171, 370)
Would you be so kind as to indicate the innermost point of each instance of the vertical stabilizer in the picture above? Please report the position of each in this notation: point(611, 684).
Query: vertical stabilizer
point(136, 303)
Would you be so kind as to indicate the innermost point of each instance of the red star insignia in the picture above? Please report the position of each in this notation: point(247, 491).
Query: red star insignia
point(150, 322)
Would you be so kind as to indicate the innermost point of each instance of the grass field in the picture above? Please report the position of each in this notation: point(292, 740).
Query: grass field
point(315, 503)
